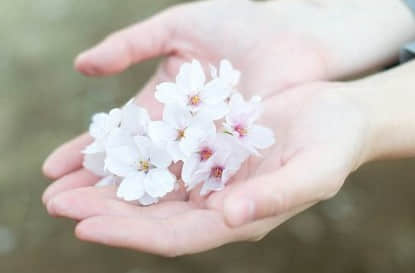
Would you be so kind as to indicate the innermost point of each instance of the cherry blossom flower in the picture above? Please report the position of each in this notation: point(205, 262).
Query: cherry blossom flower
point(208, 147)
point(240, 122)
point(101, 126)
point(144, 169)
point(131, 118)
point(179, 132)
point(193, 93)
point(217, 171)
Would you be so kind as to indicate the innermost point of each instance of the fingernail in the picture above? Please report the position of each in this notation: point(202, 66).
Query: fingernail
point(239, 212)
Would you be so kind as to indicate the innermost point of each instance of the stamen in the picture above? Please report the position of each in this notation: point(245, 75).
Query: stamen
point(205, 154)
point(180, 134)
point(241, 130)
point(194, 100)
point(143, 166)
point(216, 172)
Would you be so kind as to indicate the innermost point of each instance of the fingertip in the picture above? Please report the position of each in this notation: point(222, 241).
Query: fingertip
point(81, 230)
point(238, 211)
point(84, 63)
point(107, 58)
point(49, 169)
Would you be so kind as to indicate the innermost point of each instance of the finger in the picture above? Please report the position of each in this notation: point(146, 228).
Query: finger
point(297, 183)
point(144, 40)
point(66, 158)
point(87, 202)
point(191, 232)
point(187, 233)
point(77, 179)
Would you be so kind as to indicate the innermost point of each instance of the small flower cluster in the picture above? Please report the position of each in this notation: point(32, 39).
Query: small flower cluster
point(207, 125)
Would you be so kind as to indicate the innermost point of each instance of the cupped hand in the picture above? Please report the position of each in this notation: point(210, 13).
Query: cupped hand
point(273, 52)
point(321, 138)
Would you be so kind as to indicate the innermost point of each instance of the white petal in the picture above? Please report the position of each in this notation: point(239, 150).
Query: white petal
point(160, 157)
point(114, 118)
point(135, 119)
point(190, 143)
point(175, 151)
point(213, 71)
point(120, 161)
point(147, 200)
point(176, 116)
point(214, 112)
point(97, 129)
point(109, 180)
point(131, 187)
point(260, 137)
point(118, 137)
point(228, 73)
point(233, 164)
point(95, 163)
point(161, 132)
point(189, 167)
point(183, 79)
point(144, 146)
point(169, 93)
point(159, 182)
point(211, 185)
point(214, 92)
point(198, 76)
point(95, 147)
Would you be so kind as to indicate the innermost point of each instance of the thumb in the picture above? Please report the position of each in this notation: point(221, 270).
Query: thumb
point(134, 44)
point(301, 181)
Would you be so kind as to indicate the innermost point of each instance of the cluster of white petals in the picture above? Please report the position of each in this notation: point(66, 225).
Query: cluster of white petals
point(207, 125)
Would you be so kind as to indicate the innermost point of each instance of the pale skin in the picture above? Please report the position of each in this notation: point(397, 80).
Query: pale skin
point(314, 153)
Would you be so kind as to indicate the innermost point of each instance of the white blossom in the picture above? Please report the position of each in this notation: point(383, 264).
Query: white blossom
point(208, 147)
point(179, 132)
point(193, 93)
point(217, 171)
point(144, 169)
point(240, 122)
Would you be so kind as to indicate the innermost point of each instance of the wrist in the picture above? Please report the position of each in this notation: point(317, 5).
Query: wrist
point(387, 101)
point(350, 33)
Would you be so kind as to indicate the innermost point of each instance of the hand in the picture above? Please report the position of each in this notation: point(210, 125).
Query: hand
point(320, 139)
point(273, 50)
point(294, 53)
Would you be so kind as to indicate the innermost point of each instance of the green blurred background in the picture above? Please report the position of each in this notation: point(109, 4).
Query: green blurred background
point(368, 227)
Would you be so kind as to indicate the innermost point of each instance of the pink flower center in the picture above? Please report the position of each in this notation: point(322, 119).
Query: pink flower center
point(205, 154)
point(241, 130)
point(194, 100)
point(216, 172)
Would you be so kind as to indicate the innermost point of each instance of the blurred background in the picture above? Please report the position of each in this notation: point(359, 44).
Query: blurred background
point(368, 227)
